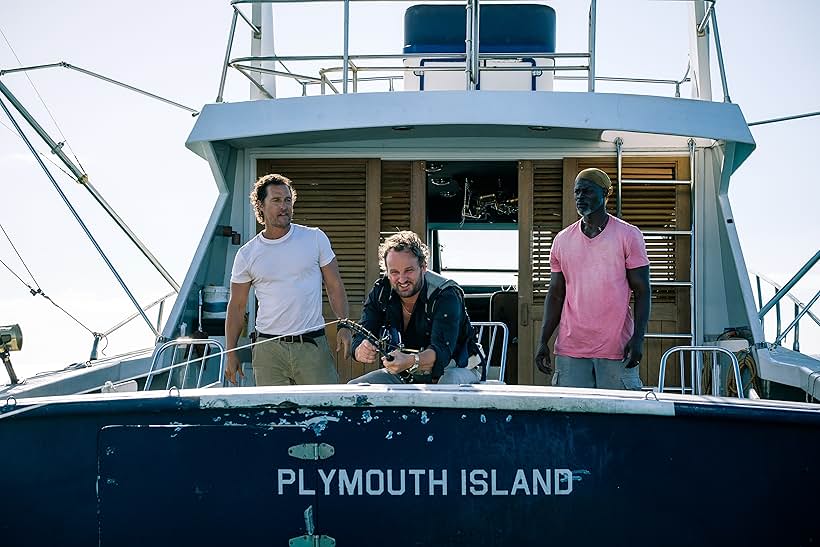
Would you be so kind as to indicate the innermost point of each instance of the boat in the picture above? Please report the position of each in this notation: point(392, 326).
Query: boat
point(478, 146)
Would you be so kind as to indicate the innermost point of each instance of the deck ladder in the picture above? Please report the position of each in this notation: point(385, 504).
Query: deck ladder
point(620, 183)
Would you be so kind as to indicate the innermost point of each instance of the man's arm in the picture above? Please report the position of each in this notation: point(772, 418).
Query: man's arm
point(338, 303)
point(447, 318)
point(234, 321)
point(553, 306)
point(373, 320)
point(638, 279)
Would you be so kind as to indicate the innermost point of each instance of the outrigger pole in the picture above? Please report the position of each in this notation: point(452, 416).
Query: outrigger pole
point(83, 179)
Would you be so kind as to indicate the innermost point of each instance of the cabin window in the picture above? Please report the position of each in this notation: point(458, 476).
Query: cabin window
point(487, 258)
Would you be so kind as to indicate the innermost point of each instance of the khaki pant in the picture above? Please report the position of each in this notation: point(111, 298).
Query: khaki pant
point(287, 363)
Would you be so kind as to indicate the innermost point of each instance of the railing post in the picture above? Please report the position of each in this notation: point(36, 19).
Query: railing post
point(227, 58)
point(619, 143)
point(346, 53)
point(592, 28)
point(468, 46)
point(719, 50)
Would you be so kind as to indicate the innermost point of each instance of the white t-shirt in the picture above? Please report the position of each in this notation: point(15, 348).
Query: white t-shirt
point(286, 275)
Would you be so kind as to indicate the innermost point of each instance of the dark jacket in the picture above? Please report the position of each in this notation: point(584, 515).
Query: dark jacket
point(439, 320)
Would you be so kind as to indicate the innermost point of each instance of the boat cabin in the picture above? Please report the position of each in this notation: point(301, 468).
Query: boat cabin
point(476, 150)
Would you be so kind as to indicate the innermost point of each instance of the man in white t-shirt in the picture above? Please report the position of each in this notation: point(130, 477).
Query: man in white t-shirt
point(286, 265)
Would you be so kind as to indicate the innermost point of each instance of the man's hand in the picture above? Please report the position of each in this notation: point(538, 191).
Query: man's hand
point(233, 366)
point(366, 352)
point(633, 352)
point(542, 359)
point(401, 362)
point(344, 340)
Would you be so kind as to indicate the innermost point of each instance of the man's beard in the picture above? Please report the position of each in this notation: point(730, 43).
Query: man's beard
point(414, 290)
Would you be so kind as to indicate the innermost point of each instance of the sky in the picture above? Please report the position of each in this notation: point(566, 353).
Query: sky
point(133, 147)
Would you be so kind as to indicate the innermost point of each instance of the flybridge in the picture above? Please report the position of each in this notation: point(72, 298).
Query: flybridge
point(456, 47)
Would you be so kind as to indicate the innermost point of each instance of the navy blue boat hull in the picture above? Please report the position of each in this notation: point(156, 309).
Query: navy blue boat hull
point(169, 472)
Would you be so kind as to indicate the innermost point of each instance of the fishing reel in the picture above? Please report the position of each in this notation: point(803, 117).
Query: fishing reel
point(11, 339)
point(389, 341)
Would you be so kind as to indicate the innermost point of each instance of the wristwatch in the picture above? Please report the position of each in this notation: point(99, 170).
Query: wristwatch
point(415, 366)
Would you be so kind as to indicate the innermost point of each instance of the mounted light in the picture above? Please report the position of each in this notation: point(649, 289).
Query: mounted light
point(539, 128)
point(441, 181)
point(403, 128)
point(433, 167)
point(11, 339)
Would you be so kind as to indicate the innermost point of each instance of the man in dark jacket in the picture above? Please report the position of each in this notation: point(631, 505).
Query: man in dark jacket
point(426, 311)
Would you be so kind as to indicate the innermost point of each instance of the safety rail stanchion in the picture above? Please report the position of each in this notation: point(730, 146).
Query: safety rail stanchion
point(187, 345)
point(714, 350)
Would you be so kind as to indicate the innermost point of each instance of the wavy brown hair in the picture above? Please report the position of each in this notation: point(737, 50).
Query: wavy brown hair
point(405, 241)
point(260, 192)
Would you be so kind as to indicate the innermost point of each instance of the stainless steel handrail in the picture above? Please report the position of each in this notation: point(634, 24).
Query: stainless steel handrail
point(800, 309)
point(471, 53)
point(695, 368)
point(788, 286)
point(187, 346)
point(492, 333)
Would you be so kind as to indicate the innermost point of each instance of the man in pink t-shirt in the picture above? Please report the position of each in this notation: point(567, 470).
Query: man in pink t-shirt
point(596, 263)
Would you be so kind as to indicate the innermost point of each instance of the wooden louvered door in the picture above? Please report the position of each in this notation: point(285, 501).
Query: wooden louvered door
point(332, 195)
point(654, 209)
point(545, 221)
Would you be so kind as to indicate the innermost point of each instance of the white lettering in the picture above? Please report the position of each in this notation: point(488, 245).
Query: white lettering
point(390, 489)
point(326, 479)
point(520, 483)
point(350, 484)
point(463, 482)
point(563, 476)
point(291, 478)
point(442, 482)
point(377, 490)
point(417, 473)
point(302, 490)
point(496, 490)
point(543, 480)
point(477, 479)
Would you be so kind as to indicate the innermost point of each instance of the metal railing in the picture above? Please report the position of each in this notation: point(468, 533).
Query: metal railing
point(487, 333)
point(98, 336)
point(696, 366)
point(800, 309)
point(186, 348)
point(351, 67)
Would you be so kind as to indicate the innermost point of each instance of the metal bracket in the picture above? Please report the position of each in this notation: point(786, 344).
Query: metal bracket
point(310, 539)
point(311, 451)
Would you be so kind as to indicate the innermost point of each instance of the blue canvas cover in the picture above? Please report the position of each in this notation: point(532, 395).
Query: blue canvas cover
point(504, 28)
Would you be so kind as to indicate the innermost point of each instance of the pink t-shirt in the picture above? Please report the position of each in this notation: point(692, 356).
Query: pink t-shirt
point(596, 321)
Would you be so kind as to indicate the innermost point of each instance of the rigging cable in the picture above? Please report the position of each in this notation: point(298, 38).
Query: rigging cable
point(59, 129)
point(42, 155)
point(38, 290)
point(786, 118)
